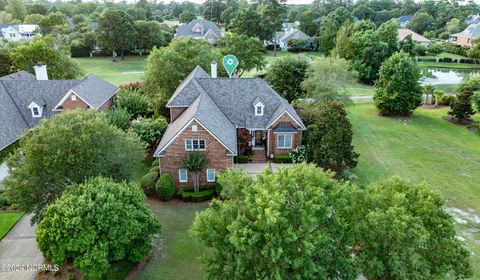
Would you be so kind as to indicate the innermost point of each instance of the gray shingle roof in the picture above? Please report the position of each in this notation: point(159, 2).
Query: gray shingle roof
point(295, 35)
point(18, 93)
point(20, 75)
point(472, 31)
point(205, 111)
point(284, 127)
point(94, 90)
point(186, 29)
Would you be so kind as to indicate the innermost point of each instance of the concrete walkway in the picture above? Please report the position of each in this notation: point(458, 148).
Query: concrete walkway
point(253, 169)
point(18, 247)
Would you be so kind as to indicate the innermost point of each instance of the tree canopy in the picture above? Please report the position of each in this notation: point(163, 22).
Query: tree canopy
point(286, 75)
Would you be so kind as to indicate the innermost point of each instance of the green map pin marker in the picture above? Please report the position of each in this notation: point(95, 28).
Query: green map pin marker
point(230, 62)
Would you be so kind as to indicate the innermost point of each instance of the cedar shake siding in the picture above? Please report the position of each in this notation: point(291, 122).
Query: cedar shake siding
point(175, 112)
point(217, 158)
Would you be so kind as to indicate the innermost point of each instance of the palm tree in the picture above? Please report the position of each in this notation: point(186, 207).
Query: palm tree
point(427, 91)
point(438, 96)
point(195, 163)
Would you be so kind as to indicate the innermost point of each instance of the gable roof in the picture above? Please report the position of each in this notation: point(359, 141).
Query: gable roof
point(472, 31)
point(295, 35)
point(20, 75)
point(403, 33)
point(187, 29)
point(204, 110)
point(19, 90)
point(404, 19)
point(94, 90)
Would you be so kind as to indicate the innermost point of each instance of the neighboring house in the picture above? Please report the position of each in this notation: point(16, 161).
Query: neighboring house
point(404, 20)
point(207, 114)
point(26, 99)
point(286, 26)
point(199, 28)
point(18, 32)
point(466, 37)
point(403, 33)
point(472, 19)
point(283, 39)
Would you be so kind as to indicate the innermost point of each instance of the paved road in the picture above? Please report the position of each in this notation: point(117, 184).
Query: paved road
point(19, 247)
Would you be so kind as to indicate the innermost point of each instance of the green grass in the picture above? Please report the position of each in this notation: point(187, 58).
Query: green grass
point(452, 65)
point(444, 55)
point(129, 70)
point(176, 254)
point(422, 148)
point(8, 220)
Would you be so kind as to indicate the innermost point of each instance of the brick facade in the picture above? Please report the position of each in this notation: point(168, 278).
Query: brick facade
point(463, 41)
point(175, 112)
point(272, 137)
point(217, 155)
point(70, 104)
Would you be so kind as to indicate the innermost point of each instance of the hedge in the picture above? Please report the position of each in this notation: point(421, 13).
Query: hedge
point(241, 159)
point(282, 159)
point(188, 194)
point(148, 182)
point(165, 187)
point(154, 169)
point(156, 162)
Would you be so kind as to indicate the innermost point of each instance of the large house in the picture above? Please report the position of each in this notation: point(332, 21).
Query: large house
point(26, 99)
point(207, 113)
point(402, 33)
point(201, 29)
point(18, 32)
point(466, 37)
point(285, 38)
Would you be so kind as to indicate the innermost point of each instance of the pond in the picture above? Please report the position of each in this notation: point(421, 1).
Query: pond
point(446, 76)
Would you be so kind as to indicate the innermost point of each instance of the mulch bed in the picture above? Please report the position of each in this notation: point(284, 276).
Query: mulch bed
point(474, 128)
point(455, 121)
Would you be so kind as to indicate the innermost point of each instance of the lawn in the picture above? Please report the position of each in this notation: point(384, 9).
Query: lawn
point(453, 65)
point(423, 148)
point(443, 55)
point(7, 221)
point(176, 255)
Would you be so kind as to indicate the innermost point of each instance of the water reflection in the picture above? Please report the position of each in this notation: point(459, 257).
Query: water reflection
point(445, 76)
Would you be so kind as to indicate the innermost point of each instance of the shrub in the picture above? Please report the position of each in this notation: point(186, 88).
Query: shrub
point(476, 101)
point(133, 102)
point(462, 109)
point(156, 162)
point(148, 181)
point(435, 48)
point(148, 129)
point(448, 100)
point(299, 154)
point(189, 195)
point(4, 201)
point(119, 117)
point(165, 187)
point(154, 169)
point(282, 159)
point(241, 159)
point(420, 49)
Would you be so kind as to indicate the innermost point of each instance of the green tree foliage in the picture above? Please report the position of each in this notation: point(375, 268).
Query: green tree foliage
point(247, 22)
point(70, 148)
point(286, 75)
point(329, 139)
point(132, 101)
point(115, 30)
point(137, 13)
point(403, 232)
point(17, 9)
point(187, 16)
point(408, 45)
point(195, 163)
point(6, 64)
point(212, 9)
point(149, 34)
point(96, 223)
point(59, 64)
point(422, 22)
point(438, 94)
point(471, 84)
point(38, 8)
point(326, 80)
point(329, 27)
point(119, 117)
point(149, 130)
point(388, 34)
point(34, 19)
point(307, 22)
point(168, 66)
point(397, 91)
point(249, 51)
point(165, 187)
point(455, 25)
point(281, 226)
point(54, 22)
point(462, 109)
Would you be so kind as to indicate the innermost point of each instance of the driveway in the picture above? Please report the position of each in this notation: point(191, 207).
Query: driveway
point(18, 247)
point(253, 169)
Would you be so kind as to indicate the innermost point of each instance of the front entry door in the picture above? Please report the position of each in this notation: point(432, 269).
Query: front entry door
point(259, 139)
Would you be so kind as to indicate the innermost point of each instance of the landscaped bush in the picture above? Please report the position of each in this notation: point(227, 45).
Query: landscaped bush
point(188, 195)
point(241, 159)
point(299, 154)
point(148, 181)
point(154, 169)
point(282, 159)
point(135, 103)
point(119, 117)
point(156, 162)
point(4, 202)
point(165, 187)
point(8, 150)
point(149, 130)
point(447, 100)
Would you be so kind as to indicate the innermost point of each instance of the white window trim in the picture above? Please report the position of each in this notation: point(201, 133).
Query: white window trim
point(261, 106)
point(211, 180)
point(284, 135)
point(180, 175)
point(73, 97)
point(193, 149)
point(39, 109)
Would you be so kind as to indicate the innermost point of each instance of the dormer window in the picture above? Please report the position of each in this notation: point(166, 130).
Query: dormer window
point(259, 109)
point(36, 110)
